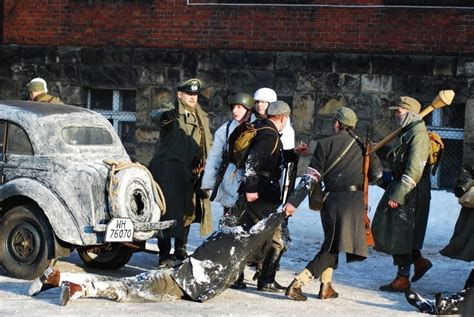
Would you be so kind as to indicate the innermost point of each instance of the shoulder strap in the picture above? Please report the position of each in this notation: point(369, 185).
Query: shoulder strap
point(227, 131)
point(278, 137)
point(339, 158)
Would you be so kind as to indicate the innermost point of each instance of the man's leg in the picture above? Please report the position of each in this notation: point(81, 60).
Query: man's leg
point(421, 264)
point(146, 287)
point(401, 283)
point(314, 269)
point(164, 244)
point(180, 245)
point(266, 280)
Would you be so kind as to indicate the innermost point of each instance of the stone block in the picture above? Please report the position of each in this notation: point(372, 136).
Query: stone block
point(402, 64)
point(290, 61)
point(303, 112)
point(215, 77)
point(156, 56)
point(319, 62)
point(70, 94)
point(285, 83)
point(376, 83)
point(68, 54)
point(91, 56)
point(351, 83)
point(308, 82)
point(147, 136)
point(117, 55)
point(444, 66)
point(328, 104)
point(144, 152)
point(352, 63)
point(22, 72)
point(10, 54)
point(151, 75)
point(465, 66)
point(160, 96)
point(34, 54)
point(233, 59)
point(111, 77)
point(260, 60)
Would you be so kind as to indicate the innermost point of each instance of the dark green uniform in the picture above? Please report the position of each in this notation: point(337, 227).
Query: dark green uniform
point(401, 231)
point(184, 141)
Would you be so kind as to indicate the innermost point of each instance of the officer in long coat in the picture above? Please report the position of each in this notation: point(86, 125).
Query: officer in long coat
point(38, 91)
point(399, 223)
point(342, 215)
point(178, 165)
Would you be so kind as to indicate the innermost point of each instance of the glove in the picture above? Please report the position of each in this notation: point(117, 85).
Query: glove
point(169, 115)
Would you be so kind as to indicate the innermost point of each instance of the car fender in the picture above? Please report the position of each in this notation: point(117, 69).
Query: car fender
point(59, 216)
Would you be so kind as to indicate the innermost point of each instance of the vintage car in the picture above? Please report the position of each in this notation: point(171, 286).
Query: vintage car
point(66, 182)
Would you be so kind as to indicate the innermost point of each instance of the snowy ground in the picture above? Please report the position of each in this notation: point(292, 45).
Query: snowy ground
point(356, 283)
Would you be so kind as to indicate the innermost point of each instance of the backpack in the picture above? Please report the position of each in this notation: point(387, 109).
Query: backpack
point(240, 141)
point(436, 151)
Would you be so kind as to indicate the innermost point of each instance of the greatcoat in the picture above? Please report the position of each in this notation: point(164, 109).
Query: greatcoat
point(401, 230)
point(179, 146)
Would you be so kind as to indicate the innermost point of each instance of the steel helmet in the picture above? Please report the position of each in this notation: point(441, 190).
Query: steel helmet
point(39, 84)
point(265, 94)
point(241, 98)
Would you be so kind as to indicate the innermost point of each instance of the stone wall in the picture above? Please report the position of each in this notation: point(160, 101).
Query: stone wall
point(313, 83)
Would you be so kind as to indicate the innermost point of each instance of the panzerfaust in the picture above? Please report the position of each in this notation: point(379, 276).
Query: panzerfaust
point(444, 98)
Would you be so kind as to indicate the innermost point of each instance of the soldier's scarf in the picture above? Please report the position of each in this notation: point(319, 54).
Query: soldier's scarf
point(407, 118)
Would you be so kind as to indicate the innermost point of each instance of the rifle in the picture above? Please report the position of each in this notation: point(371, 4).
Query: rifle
point(366, 164)
point(220, 174)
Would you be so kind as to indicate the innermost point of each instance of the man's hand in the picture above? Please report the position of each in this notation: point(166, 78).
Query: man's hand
point(302, 148)
point(251, 197)
point(392, 203)
point(169, 115)
point(289, 209)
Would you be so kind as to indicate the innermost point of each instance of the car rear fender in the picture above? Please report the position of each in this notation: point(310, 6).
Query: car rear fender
point(59, 216)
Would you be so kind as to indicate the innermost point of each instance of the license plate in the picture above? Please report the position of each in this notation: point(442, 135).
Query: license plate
point(119, 230)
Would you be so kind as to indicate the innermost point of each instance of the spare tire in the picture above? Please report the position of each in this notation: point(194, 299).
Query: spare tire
point(131, 195)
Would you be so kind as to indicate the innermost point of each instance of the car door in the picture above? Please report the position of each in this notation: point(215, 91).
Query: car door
point(2, 150)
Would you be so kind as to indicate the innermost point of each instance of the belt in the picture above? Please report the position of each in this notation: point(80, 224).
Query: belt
point(351, 188)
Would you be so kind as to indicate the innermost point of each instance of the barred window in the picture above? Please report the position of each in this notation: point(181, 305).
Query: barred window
point(119, 107)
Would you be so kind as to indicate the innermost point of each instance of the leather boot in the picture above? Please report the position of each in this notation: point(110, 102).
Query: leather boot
point(294, 290)
point(239, 283)
point(266, 280)
point(69, 291)
point(326, 291)
point(49, 279)
point(399, 284)
point(422, 265)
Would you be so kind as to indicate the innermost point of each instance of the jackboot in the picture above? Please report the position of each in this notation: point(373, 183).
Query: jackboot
point(239, 283)
point(422, 265)
point(180, 245)
point(326, 291)
point(266, 281)
point(294, 290)
point(399, 284)
point(49, 279)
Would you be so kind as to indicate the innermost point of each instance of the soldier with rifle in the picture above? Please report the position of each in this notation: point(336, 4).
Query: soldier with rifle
point(338, 161)
point(220, 176)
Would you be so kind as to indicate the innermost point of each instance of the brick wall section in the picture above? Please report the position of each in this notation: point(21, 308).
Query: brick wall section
point(172, 24)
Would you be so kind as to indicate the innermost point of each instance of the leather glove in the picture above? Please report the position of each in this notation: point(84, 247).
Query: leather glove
point(169, 115)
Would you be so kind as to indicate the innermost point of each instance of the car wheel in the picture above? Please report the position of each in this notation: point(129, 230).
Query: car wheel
point(25, 240)
point(132, 196)
point(110, 257)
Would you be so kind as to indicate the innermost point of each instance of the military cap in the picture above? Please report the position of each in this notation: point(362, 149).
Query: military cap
point(37, 84)
point(408, 103)
point(190, 86)
point(278, 108)
point(346, 116)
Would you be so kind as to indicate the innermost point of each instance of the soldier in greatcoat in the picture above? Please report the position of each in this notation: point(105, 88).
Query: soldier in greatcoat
point(399, 223)
point(38, 91)
point(178, 165)
point(342, 215)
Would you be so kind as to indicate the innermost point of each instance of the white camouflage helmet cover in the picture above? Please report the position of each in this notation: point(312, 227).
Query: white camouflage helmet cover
point(40, 80)
point(265, 94)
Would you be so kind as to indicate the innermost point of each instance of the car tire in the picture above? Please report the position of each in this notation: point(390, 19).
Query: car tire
point(110, 257)
point(25, 241)
point(132, 196)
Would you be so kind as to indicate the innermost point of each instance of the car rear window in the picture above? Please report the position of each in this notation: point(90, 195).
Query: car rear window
point(86, 136)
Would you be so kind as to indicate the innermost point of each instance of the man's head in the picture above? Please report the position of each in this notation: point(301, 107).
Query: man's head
point(36, 87)
point(188, 91)
point(241, 104)
point(345, 118)
point(279, 112)
point(407, 103)
point(263, 97)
